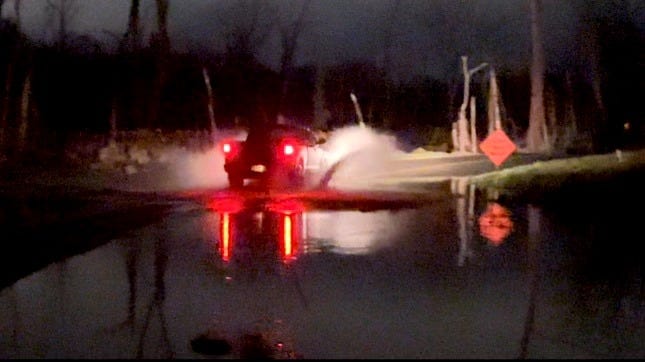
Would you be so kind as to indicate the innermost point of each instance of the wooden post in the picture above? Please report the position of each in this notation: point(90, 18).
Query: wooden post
point(211, 112)
point(462, 128)
point(494, 117)
point(473, 129)
point(357, 108)
point(453, 134)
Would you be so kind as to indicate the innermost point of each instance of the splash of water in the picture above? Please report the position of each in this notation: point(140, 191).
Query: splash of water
point(178, 168)
point(359, 153)
point(203, 169)
point(198, 170)
point(355, 154)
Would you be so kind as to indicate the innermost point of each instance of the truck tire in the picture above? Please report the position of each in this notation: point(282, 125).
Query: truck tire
point(298, 174)
point(235, 181)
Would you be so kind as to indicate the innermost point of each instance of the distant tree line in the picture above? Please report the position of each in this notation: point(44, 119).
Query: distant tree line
point(50, 91)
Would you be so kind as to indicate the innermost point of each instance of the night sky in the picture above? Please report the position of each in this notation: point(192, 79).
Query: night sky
point(427, 36)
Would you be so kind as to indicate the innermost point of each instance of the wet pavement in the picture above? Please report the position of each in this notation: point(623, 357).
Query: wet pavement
point(448, 273)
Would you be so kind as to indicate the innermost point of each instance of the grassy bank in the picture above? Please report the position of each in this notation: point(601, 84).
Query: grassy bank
point(610, 175)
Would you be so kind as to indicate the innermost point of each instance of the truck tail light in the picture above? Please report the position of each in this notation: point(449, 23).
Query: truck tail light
point(288, 149)
point(230, 149)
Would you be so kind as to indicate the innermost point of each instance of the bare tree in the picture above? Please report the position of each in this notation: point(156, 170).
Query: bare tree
point(16, 9)
point(162, 25)
point(536, 135)
point(289, 34)
point(5, 98)
point(248, 24)
point(161, 45)
point(321, 114)
point(389, 38)
point(63, 12)
point(113, 118)
point(452, 24)
point(24, 114)
point(570, 121)
point(6, 102)
point(132, 39)
point(15, 54)
point(590, 50)
point(129, 43)
point(463, 137)
point(551, 117)
point(389, 35)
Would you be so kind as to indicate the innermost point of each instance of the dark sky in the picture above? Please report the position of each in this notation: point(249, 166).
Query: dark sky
point(427, 36)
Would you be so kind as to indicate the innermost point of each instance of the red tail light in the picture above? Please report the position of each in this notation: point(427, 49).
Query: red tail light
point(230, 149)
point(288, 149)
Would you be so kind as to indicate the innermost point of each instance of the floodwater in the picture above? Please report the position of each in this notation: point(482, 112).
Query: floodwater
point(461, 276)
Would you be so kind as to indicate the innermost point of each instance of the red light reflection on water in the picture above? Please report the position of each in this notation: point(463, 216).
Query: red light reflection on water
point(226, 207)
point(495, 223)
point(288, 206)
point(288, 236)
point(226, 239)
point(288, 220)
point(290, 211)
point(228, 204)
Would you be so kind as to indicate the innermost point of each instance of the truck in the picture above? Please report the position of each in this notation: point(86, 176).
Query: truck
point(276, 155)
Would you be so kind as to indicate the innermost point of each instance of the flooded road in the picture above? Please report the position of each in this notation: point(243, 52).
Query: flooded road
point(446, 274)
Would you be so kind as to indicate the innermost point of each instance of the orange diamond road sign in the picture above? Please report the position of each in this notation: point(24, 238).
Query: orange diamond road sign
point(498, 147)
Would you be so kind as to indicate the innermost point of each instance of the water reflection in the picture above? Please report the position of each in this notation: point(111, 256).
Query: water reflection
point(464, 208)
point(495, 223)
point(241, 231)
point(378, 284)
point(289, 248)
point(155, 307)
point(230, 235)
point(294, 230)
